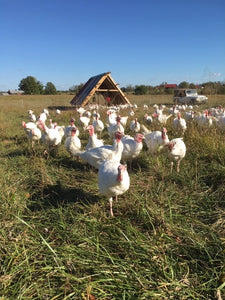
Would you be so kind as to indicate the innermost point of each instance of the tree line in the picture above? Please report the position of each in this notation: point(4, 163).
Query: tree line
point(30, 85)
point(207, 88)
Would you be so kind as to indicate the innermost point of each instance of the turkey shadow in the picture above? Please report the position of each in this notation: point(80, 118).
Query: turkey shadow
point(138, 164)
point(76, 164)
point(18, 141)
point(16, 153)
point(28, 152)
point(58, 196)
point(61, 107)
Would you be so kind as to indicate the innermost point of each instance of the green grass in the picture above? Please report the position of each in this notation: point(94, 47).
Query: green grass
point(57, 240)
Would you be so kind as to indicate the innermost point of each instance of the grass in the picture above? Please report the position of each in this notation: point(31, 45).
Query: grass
point(57, 240)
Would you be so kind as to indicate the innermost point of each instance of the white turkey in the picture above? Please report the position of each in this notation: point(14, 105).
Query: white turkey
point(131, 112)
point(220, 122)
point(51, 137)
point(28, 126)
point(72, 142)
point(123, 120)
point(161, 118)
point(84, 121)
point(155, 140)
point(131, 147)
point(189, 115)
point(60, 129)
point(173, 110)
point(96, 156)
point(30, 112)
point(135, 125)
point(31, 116)
point(43, 116)
point(80, 111)
point(218, 111)
point(115, 127)
point(95, 114)
point(111, 117)
point(98, 125)
point(93, 141)
point(69, 128)
point(179, 123)
point(33, 133)
point(176, 151)
point(148, 119)
point(113, 180)
point(158, 109)
point(182, 107)
point(45, 110)
point(204, 119)
point(87, 114)
point(51, 124)
point(84, 118)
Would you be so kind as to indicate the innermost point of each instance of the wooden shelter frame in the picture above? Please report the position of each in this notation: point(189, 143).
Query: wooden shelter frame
point(100, 84)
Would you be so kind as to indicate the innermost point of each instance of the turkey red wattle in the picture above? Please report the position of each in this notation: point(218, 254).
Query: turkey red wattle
point(118, 136)
point(164, 131)
point(121, 169)
point(139, 137)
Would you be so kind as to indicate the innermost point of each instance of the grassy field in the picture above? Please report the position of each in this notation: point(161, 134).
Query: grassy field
point(57, 240)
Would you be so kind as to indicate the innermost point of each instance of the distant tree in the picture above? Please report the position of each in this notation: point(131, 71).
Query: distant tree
point(141, 90)
point(50, 89)
point(210, 88)
point(128, 89)
point(40, 87)
point(169, 91)
point(31, 86)
point(192, 86)
point(184, 85)
point(221, 89)
point(76, 88)
point(157, 90)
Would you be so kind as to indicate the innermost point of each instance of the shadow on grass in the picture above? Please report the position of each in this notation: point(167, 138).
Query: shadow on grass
point(138, 164)
point(56, 196)
point(62, 108)
point(72, 162)
point(16, 153)
point(28, 152)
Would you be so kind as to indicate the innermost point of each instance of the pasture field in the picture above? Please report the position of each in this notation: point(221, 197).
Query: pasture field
point(58, 241)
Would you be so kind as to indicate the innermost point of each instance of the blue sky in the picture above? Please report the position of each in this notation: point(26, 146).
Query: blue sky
point(140, 42)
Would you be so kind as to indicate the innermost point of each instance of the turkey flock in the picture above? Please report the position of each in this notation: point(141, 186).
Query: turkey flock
point(129, 130)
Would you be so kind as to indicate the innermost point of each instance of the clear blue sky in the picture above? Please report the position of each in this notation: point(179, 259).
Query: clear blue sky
point(140, 42)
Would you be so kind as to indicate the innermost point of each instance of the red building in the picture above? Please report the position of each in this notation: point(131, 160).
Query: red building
point(170, 86)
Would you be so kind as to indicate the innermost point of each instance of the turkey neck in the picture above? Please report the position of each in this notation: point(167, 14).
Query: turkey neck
point(117, 149)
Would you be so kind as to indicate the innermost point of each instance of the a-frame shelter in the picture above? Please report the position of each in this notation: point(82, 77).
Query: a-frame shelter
point(103, 85)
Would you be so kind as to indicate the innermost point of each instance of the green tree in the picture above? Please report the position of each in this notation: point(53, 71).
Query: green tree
point(221, 89)
point(128, 89)
point(184, 85)
point(141, 90)
point(76, 88)
point(192, 86)
point(50, 89)
point(31, 86)
point(169, 91)
point(40, 87)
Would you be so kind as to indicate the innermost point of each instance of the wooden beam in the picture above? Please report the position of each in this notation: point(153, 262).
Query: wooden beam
point(107, 90)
